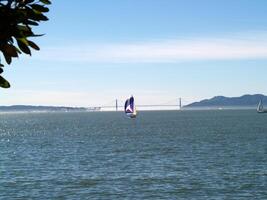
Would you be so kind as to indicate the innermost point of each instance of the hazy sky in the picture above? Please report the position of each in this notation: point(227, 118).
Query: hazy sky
point(158, 50)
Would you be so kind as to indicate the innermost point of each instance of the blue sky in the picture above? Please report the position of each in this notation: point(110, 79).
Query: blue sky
point(158, 50)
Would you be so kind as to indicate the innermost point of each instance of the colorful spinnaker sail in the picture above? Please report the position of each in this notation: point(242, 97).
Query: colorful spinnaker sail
point(129, 108)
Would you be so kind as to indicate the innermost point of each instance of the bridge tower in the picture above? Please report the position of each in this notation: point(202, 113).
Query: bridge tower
point(116, 105)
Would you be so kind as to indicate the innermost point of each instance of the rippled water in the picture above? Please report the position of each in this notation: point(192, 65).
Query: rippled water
point(159, 155)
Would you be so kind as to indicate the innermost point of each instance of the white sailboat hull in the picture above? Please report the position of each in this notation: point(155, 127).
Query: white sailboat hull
point(262, 111)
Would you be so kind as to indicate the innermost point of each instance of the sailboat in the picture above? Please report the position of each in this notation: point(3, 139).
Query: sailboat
point(260, 108)
point(129, 108)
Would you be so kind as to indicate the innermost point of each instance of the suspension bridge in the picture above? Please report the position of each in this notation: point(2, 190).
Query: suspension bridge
point(118, 105)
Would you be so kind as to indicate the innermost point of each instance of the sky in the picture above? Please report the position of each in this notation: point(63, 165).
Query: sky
point(96, 51)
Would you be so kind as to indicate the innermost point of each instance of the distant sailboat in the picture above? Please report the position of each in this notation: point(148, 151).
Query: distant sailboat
point(260, 108)
point(129, 108)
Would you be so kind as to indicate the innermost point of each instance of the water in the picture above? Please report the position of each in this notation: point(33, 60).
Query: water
point(159, 155)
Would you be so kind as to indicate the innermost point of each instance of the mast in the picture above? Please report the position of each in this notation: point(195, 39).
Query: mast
point(116, 105)
point(180, 103)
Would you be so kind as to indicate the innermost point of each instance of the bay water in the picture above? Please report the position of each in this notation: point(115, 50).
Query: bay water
point(218, 154)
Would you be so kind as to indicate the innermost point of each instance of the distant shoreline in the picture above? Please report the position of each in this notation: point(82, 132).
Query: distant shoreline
point(13, 111)
point(245, 102)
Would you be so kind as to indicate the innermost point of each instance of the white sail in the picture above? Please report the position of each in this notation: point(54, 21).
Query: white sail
point(260, 108)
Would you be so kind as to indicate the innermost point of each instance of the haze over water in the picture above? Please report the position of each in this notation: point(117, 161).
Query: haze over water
point(159, 155)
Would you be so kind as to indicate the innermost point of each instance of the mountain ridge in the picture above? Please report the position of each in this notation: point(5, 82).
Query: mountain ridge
point(246, 100)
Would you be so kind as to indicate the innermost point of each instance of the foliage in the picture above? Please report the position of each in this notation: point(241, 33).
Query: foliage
point(17, 17)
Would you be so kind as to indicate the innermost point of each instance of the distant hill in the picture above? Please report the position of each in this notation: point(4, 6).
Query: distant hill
point(221, 101)
point(26, 108)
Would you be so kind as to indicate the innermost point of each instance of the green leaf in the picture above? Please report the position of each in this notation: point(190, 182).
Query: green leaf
point(23, 40)
point(4, 83)
point(33, 45)
point(42, 17)
point(18, 50)
point(23, 46)
point(23, 28)
point(39, 8)
point(10, 50)
point(47, 2)
point(37, 16)
point(7, 58)
point(33, 23)
point(37, 35)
